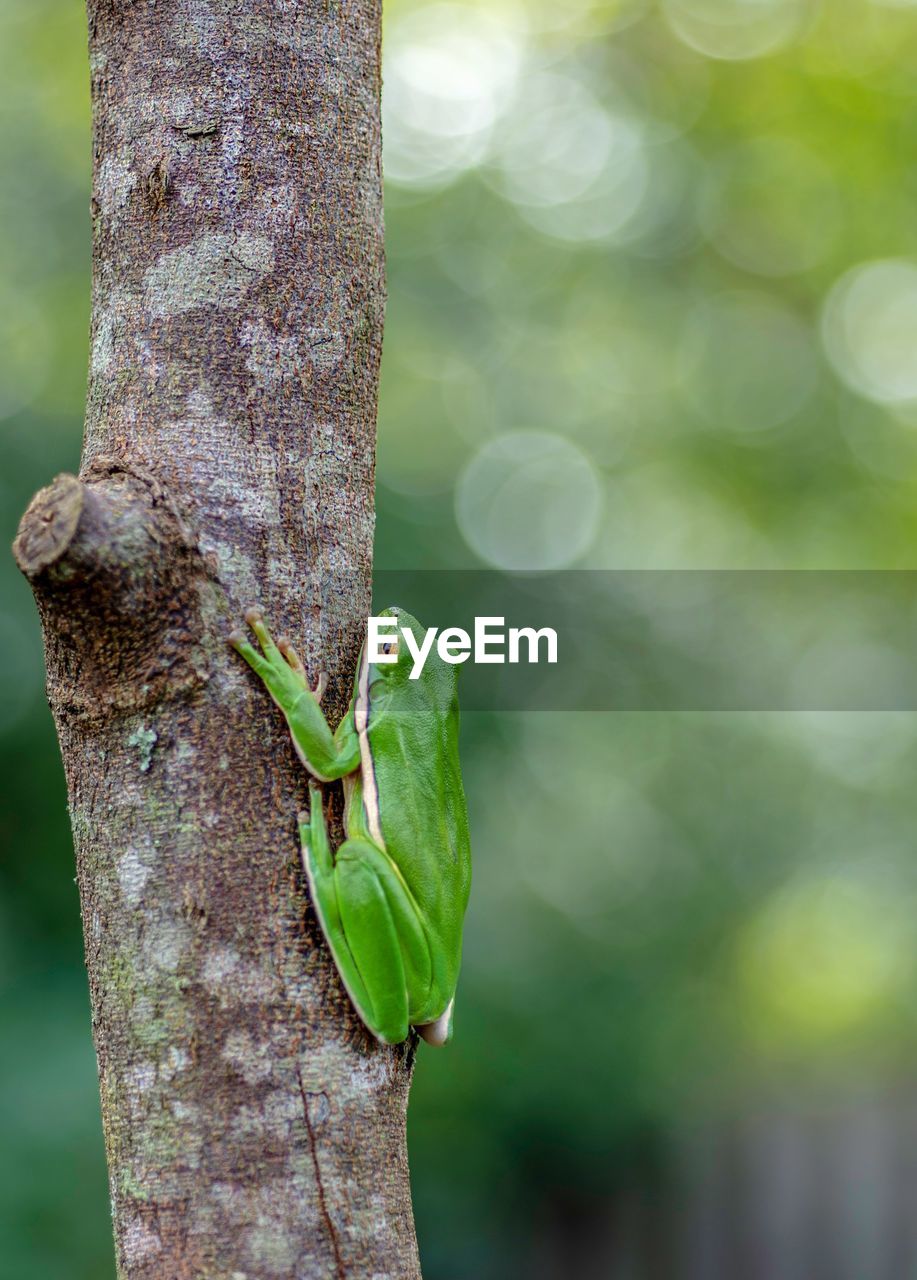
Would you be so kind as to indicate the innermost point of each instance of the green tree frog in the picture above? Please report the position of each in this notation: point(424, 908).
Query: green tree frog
point(391, 899)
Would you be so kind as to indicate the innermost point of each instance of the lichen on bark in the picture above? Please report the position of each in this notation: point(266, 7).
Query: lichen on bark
point(253, 1128)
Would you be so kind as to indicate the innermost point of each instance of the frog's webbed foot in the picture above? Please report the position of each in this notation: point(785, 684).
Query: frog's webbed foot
point(278, 664)
point(281, 653)
point(293, 659)
point(296, 664)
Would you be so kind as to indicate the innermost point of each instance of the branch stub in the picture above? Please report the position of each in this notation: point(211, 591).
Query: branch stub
point(49, 525)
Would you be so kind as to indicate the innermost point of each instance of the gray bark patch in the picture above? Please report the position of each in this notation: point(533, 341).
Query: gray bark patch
point(215, 270)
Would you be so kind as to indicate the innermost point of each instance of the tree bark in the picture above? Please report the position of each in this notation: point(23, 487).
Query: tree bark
point(253, 1128)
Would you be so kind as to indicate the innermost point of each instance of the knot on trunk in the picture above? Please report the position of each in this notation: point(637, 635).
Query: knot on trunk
point(120, 588)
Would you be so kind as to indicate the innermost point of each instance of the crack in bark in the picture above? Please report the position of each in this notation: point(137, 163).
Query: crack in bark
point(320, 1186)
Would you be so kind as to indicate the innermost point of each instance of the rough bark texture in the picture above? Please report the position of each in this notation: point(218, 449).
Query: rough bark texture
point(253, 1128)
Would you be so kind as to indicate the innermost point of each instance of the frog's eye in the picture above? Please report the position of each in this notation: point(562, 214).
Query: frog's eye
point(391, 646)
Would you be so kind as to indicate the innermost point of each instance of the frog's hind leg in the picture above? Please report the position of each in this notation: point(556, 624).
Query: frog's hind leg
point(356, 921)
point(372, 941)
point(319, 868)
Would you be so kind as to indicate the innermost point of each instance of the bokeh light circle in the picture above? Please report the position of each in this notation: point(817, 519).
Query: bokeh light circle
point(869, 329)
point(449, 71)
point(735, 29)
point(554, 142)
point(574, 170)
point(529, 500)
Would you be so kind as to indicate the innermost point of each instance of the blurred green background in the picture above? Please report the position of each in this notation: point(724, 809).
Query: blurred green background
point(653, 303)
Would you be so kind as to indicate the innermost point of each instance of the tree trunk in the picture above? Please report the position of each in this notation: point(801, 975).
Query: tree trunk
point(253, 1128)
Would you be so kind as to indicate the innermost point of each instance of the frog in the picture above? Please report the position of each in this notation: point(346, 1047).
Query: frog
point(391, 898)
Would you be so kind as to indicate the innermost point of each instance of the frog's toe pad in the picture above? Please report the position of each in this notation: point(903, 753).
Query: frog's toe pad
point(437, 1033)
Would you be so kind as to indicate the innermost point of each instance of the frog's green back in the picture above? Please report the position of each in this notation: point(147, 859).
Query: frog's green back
point(413, 736)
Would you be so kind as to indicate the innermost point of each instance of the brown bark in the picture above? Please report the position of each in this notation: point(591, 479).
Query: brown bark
point(253, 1128)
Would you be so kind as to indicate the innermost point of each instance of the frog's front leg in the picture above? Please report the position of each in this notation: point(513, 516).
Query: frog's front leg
point(372, 927)
point(325, 754)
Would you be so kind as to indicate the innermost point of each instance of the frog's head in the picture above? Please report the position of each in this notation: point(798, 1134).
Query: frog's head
point(395, 672)
point(437, 676)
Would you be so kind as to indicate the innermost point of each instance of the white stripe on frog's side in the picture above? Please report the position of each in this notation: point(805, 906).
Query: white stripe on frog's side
point(367, 768)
